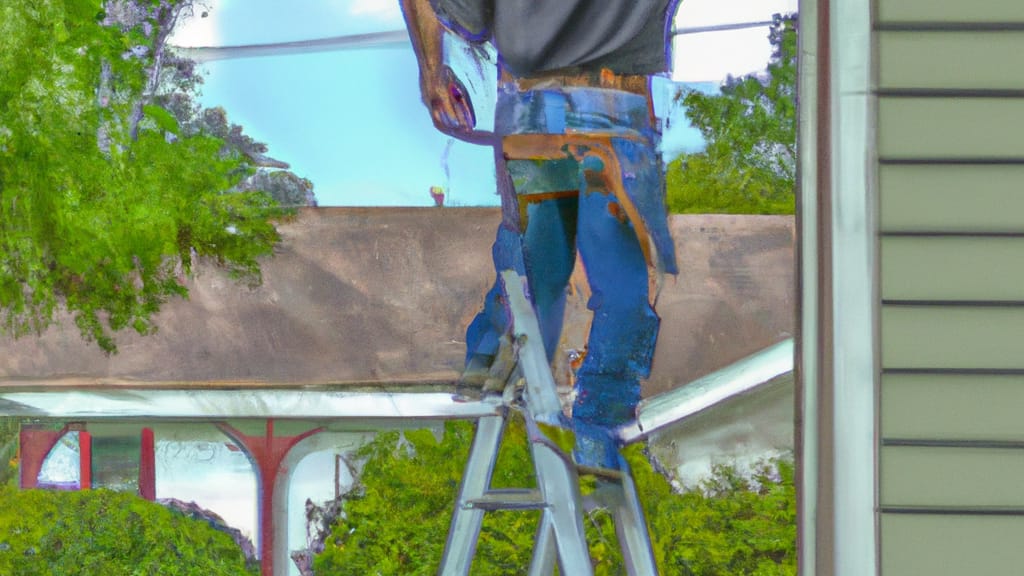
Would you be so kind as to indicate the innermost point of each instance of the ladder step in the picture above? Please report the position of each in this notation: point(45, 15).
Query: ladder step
point(508, 499)
point(604, 473)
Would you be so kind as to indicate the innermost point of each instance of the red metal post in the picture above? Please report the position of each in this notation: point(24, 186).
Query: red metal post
point(85, 460)
point(147, 466)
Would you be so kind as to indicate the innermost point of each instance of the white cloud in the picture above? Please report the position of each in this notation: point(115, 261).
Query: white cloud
point(387, 10)
point(709, 12)
point(711, 56)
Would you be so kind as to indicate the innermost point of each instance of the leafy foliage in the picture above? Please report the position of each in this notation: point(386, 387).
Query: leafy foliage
point(9, 428)
point(103, 533)
point(393, 526)
point(285, 187)
point(733, 524)
point(749, 164)
point(185, 114)
point(98, 218)
point(397, 520)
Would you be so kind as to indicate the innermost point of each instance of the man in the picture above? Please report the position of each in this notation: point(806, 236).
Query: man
point(567, 66)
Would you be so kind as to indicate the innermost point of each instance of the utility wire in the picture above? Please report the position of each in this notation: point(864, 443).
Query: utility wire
point(389, 39)
point(720, 27)
point(334, 43)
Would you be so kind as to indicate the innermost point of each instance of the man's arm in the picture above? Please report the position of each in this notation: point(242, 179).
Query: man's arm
point(449, 108)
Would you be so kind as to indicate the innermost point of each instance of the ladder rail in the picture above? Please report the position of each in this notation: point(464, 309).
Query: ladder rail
point(561, 489)
point(541, 391)
point(544, 552)
point(464, 531)
point(631, 526)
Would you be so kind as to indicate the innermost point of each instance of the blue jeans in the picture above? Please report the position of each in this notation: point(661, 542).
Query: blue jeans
point(624, 331)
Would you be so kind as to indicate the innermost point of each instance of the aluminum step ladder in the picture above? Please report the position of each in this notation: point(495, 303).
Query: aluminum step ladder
point(560, 537)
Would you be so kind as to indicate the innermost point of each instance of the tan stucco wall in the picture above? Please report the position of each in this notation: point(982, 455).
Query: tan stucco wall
point(384, 295)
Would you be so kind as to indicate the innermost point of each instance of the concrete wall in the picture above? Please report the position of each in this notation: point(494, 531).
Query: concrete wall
point(383, 295)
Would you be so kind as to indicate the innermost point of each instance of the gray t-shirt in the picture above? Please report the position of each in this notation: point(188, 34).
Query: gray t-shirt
point(625, 36)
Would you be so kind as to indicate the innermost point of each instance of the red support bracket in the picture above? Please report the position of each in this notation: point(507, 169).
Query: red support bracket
point(34, 444)
point(267, 452)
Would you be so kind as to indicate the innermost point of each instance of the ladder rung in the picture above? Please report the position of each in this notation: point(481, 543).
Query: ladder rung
point(605, 473)
point(508, 499)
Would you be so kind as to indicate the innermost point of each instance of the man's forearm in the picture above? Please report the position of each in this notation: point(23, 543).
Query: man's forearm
point(426, 32)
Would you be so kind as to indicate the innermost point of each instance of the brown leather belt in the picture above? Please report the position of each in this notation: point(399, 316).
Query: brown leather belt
point(604, 78)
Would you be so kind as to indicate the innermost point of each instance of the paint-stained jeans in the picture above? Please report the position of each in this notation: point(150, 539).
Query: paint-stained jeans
point(621, 343)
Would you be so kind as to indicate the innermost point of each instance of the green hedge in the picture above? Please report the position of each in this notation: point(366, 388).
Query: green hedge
point(103, 533)
point(397, 521)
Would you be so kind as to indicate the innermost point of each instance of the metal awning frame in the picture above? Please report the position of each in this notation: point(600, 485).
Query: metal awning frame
point(378, 406)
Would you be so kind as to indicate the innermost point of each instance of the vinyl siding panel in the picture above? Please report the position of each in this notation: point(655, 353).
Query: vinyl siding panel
point(952, 268)
point(915, 198)
point(961, 406)
point(944, 476)
point(950, 144)
point(952, 337)
point(933, 545)
point(956, 11)
point(963, 128)
point(950, 60)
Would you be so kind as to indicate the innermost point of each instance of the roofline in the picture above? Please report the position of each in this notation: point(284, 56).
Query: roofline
point(215, 404)
point(421, 400)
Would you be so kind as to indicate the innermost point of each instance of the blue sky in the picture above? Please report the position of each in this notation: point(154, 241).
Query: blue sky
point(352, 122)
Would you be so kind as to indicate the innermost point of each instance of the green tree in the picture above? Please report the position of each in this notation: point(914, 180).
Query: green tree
point(749, 164)
point(103, 207)
point(284, 186)
point(103, 533)
point(397, 520)
point(181, 83)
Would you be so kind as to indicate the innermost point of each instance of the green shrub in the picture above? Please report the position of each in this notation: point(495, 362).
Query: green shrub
point(103, 533)
point(9, 428)
point(397, 522)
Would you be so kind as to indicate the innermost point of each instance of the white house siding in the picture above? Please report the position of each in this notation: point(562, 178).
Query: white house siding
point(951, 218)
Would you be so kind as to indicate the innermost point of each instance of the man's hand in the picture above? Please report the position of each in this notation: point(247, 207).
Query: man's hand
point(448, 101)
point(445, 97)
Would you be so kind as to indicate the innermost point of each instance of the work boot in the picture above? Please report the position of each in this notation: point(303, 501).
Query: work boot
point(501, 367)
point(477, 370)
point(486, 374)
